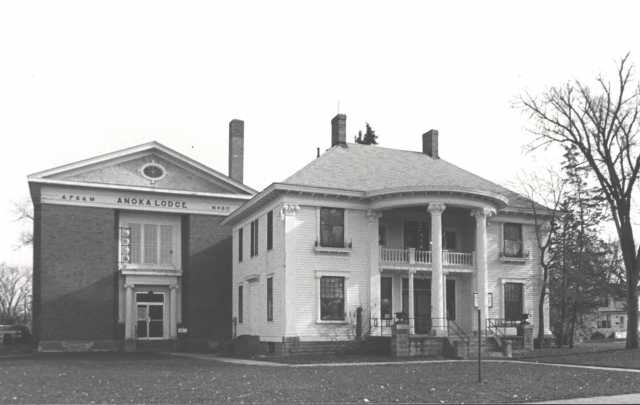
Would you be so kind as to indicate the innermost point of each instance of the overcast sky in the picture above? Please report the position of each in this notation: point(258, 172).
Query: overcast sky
point(83, 78)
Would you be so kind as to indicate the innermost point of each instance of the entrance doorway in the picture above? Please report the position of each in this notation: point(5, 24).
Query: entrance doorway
point(421, 303)
point(150, 319)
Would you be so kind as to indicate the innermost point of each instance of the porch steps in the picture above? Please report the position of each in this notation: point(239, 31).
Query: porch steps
point(155, 346)
point(489, 348)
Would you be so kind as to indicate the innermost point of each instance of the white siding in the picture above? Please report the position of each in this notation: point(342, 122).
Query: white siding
point(529, 272)
point(268, 263)
point(308, 263)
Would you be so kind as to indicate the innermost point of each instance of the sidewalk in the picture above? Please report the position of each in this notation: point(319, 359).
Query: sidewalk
point(611, 399)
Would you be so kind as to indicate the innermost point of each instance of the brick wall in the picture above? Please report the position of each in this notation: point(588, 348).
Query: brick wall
point(206, 294)
point(75, 273)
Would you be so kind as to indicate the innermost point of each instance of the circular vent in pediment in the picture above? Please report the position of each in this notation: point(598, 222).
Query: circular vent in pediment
point(153, 171)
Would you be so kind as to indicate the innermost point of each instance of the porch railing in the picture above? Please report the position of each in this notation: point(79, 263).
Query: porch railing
point(417, 256)
point(419, 325)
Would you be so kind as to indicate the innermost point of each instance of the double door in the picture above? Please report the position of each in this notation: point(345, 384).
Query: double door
point(150, 315)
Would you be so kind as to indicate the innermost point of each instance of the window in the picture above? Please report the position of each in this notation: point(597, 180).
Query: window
point(449, 240)
point(512, 240)
point(382, 235)
point(604, 323)
point(270, 299)
point(240, 237)
point(239, 304)
point(513, 301)
point(332, 299)
point(332, 227)
point(385, 297)
point(148, 244)
point(270, 230)
point(451, 300)
point(254, 238)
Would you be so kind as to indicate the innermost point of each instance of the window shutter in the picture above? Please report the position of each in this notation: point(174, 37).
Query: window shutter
point(150, 244)
point(166, 245)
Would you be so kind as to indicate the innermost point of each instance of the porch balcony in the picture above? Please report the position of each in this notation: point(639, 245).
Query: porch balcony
point(410, 258)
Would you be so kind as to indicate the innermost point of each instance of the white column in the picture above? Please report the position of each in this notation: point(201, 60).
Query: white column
point(129, 320)
point(410, 303)
point(437, 288)
point(482, 282)
point(374, 269)
point(173, 313)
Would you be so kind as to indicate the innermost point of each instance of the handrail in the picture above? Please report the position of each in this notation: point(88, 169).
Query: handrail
point(459, 332)
point(418, 256)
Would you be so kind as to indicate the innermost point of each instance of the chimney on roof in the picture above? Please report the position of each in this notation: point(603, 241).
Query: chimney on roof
point(430, 143)
point(339, 130)
point(236, 149)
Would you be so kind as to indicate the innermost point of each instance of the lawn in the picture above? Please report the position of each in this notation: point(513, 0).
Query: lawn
point(154, 378)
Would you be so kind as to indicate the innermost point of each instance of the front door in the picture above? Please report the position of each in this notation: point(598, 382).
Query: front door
point(150, 320)
point(421, 303)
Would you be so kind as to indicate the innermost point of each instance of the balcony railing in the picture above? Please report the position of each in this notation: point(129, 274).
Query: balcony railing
point(392, 256)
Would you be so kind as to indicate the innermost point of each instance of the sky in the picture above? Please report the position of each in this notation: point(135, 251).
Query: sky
point(82, 78)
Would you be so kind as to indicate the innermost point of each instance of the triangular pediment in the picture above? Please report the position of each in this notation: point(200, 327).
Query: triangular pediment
point(152, 166)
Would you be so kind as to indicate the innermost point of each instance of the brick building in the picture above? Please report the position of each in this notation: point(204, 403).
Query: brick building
point(129, 249)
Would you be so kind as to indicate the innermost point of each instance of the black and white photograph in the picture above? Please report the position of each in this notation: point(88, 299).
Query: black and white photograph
point(319, 202)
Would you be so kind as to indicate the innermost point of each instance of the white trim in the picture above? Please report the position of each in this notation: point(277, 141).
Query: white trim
point(525, 284)
point(344, 274)
point(136, 201)
point(137, 149)
point(345, 229)
point(153, 179)
point(175, 268)
point(140, 188)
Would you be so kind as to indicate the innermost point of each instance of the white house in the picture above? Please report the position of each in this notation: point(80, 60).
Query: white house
point(396, 233)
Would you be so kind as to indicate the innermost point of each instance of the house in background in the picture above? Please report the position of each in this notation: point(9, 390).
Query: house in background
point(363, 233)
point(129, 248)
point(611, 318)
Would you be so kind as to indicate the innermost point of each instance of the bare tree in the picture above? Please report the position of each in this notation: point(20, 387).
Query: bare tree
point(23, 212)
point(15, 294)
point(603, 125)
point(548, 191)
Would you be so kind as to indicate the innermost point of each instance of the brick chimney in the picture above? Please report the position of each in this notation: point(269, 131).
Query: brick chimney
point(430, 143)
point(236, 149)
point(339, 130)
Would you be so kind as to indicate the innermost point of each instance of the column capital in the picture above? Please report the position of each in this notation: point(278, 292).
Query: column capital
point(129, 286)
point(289, 210)
point(173, 287)
point(373, 215)
point(481, 213)
point(436, 207)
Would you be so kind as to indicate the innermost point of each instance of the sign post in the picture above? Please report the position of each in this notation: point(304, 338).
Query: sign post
point(477, 305)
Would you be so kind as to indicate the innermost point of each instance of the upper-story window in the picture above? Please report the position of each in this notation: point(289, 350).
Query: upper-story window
point(332, 227)
point(270, 230)
point(240, 237)
point(254, 238)
point(149, 242)
point(512, 240)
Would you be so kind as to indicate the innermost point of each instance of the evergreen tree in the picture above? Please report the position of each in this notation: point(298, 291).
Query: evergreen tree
point(369, 138)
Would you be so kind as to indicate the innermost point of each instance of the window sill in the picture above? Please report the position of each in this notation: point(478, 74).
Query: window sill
point(514, 259)
point(332, 322)
point(337, 250)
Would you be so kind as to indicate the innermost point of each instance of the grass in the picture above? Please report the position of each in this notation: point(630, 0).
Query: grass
point(155, 378)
